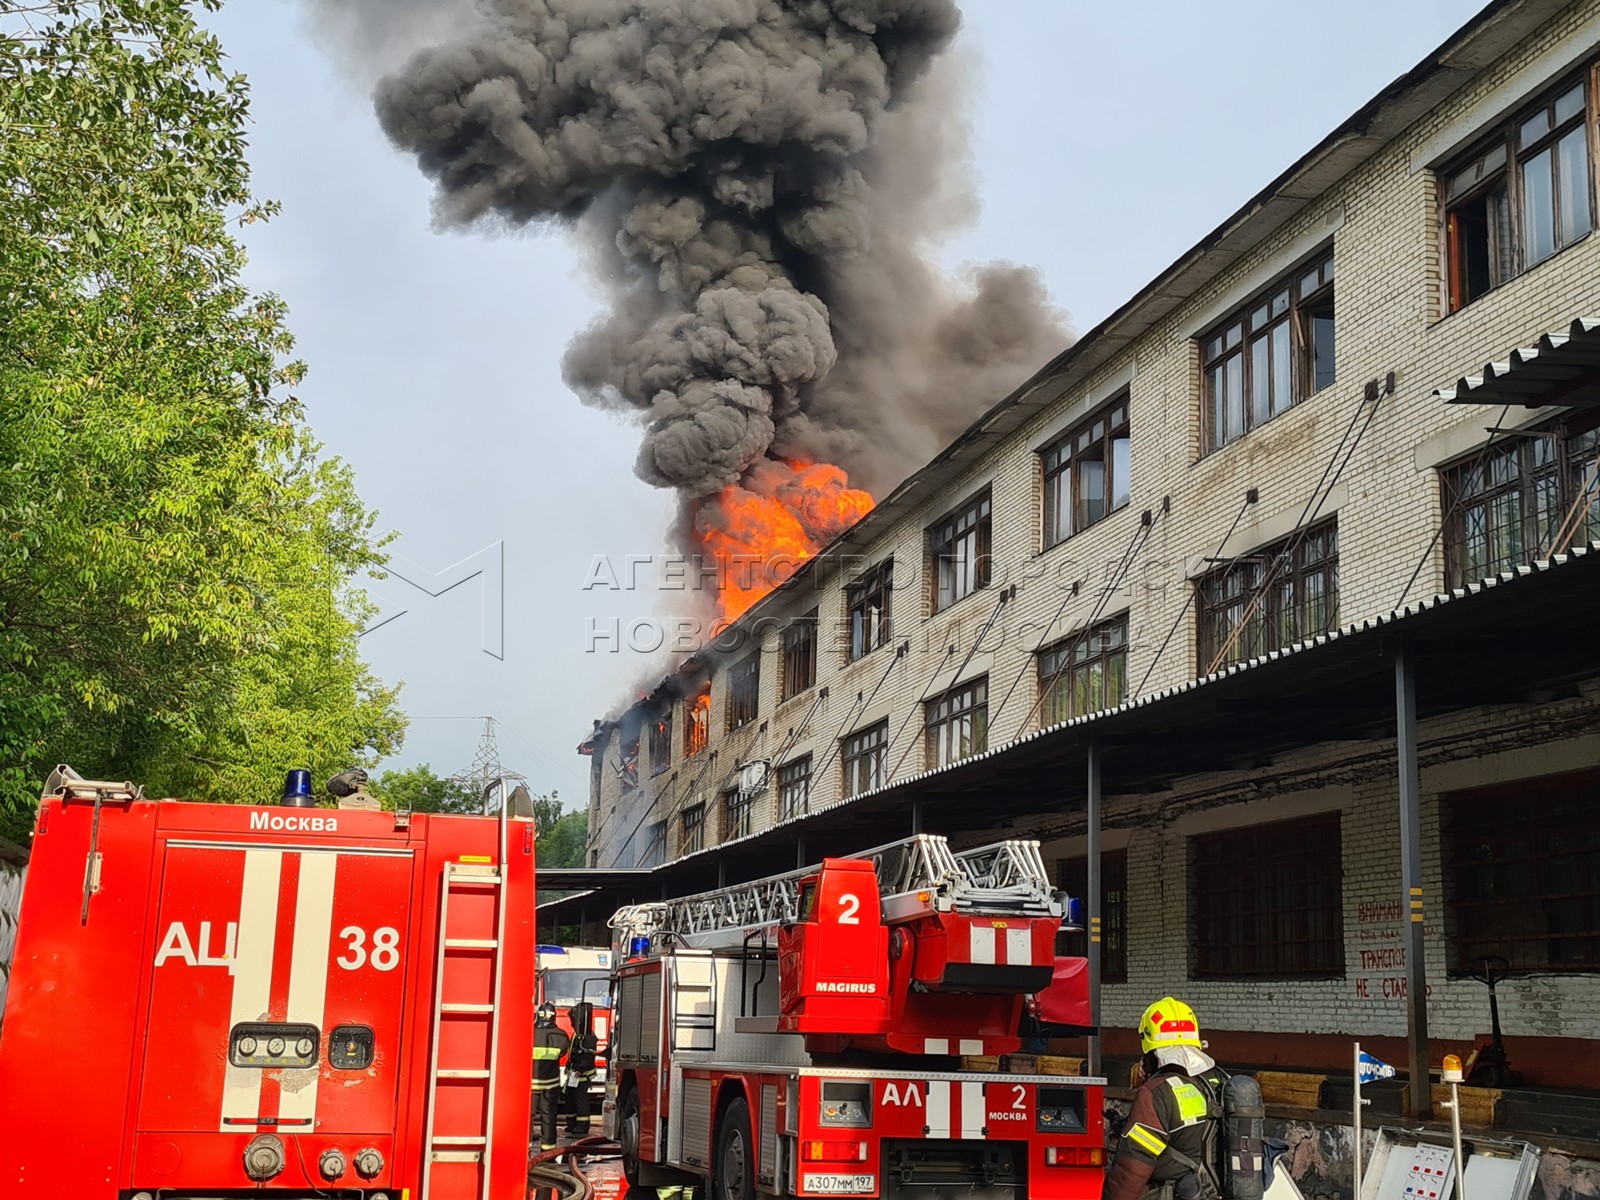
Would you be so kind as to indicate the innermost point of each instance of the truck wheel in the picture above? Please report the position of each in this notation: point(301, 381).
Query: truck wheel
point(628, 1127)
point(734, 1176)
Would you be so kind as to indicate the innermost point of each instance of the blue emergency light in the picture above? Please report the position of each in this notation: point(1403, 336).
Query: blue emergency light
point(552, 949)
point(297, 789)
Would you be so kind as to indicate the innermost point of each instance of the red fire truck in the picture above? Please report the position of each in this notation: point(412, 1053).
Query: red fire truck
point(568, 975)
point(803, 1035)
point(211, 999)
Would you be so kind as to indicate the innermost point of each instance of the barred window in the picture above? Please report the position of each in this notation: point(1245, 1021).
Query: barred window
point(864, 758)
point(694, 829)
point(1511, 504)
point(661, 743)
point(1267, 901)
point(957, 723)
point(737, 807)
point(1270, 354)
point(868, 602)
point(1073, 876)
point(628, 764)
point(696, 721)
point(799, 656)
point(1522, 874)
point(1086, 473)
point(1086, 672)
point(1265, 601)
point(959, 549)
point(744, 691)
point(794, 787)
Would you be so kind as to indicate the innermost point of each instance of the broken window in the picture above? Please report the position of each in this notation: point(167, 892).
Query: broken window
point(1072, 874)
point(1267, 901)
point(737, 806)
point(864, 758)
point(1086, 473)
point(696, 720)
point(1510, 504)
point(628, 761)
point(1280, 595)
point(799, 656)
point(661, 743)
point(956, 724)
point(744, 691)
point(1086, 672)
point(959, 549)
point(1517, 200)
point(1522, 870)
point(694, 829)
point(1270, 354)
point(794, 787)
point(868, 601)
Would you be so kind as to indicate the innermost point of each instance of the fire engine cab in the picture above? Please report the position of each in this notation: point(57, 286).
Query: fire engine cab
point(216, 999)
point(568, 975)
point(804, 1035)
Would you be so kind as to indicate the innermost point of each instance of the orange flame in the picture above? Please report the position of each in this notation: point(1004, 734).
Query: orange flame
point(761, 530)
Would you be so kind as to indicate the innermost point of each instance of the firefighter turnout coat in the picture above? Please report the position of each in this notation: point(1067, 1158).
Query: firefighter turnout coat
point(1173, 1129)
point(549, 1045)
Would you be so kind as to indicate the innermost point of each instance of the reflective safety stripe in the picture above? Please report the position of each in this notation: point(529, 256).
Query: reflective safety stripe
point(544, 1085)
point(1146, 1140)
point(546, 1052)
point(1191, 1101)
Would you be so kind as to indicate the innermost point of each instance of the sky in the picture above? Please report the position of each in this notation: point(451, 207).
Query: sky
point(1105, 140)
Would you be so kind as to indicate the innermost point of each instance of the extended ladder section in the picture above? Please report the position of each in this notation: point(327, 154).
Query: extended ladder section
point(1006, 878)
point(466, 1021)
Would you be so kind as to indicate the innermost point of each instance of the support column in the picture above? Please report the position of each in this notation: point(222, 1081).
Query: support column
point(916, 816)
point(1092, 903)
point(800, 852)
point(1419, 1094)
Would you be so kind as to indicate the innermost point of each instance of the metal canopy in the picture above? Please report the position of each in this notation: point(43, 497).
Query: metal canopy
point(1562, 367)
point(1523, 637)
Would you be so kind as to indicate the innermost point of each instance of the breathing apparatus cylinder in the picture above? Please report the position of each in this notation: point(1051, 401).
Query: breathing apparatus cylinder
point(1244, 1164)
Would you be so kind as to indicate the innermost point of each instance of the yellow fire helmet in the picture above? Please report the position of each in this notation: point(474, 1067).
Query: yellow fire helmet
point(1168, 1022)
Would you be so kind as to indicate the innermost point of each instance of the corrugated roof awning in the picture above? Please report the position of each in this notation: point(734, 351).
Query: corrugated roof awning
point(1562, 367)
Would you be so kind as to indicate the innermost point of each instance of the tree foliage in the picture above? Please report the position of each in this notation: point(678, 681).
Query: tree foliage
point(561, 836)
point(178, 559)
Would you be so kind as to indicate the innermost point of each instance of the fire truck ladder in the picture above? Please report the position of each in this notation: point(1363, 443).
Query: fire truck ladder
point(1007, 876)
point(458, 951)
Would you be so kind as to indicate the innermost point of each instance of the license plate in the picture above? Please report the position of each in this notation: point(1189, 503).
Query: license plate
point(822, 1184)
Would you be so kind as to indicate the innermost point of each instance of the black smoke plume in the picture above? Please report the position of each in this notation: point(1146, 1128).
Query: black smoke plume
point(760, 183)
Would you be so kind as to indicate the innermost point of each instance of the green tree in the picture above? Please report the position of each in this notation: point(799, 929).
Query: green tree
point(563, 843)
point(420, 790)
point(178, 561)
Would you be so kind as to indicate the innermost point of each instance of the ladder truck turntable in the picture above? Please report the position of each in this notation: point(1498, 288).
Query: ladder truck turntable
point(802, 1035)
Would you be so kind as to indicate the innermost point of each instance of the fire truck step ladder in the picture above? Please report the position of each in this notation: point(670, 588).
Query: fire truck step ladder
point(1007, 876)
point(456, 881)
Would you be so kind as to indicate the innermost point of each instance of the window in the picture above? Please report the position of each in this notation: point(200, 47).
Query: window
point(1268, 901)
point(1522, 873)
point(1073, 876)
point(957, 723)
point(696, 720)
point(1514, 202)
point(1086, 672)
point(868, 600)
point(736, 807)
point(1276, 350)
point(864, 757)
point(661, 743)
point(799, 656)
point(1508, 506)
point(1265, 601)
point(959, 547)
point(794, 787)
point(744, 691)
point(628, 765)
point(694, 829)
point(1086, 473)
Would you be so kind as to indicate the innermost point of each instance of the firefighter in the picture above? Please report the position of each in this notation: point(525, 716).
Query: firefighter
point(1168, 1149)
point(550, 1043)
point(580, 1066)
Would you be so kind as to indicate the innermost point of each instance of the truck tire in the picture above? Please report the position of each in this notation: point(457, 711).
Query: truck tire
point(628, 1129)
point(733, 1172)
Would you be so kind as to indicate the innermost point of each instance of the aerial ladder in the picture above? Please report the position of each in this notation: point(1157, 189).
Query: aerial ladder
point(810, 1033)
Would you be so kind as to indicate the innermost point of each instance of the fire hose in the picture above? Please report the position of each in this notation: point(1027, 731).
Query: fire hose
point(556, 1172)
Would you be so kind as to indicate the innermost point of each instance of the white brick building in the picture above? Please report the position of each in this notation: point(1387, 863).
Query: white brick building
point(1249, 453)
